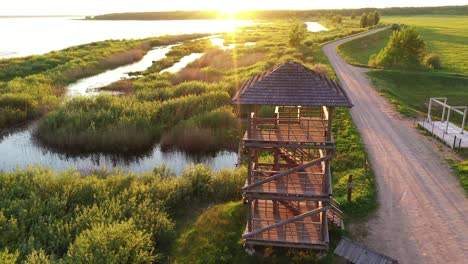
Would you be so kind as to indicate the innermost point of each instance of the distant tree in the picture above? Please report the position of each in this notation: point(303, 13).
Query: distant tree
point(297, 34)
point(321, 69)
point(353, 15)
point(376, 17)
point(370, 20)
point(405, 49)
point(337, 19)
point(363, 21)
point(396, 27)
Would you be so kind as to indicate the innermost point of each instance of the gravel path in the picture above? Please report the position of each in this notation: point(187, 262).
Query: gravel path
point(423, 213)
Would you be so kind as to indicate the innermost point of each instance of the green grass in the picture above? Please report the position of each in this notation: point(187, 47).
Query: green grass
point(445, 35)
point(460, 170)
point(358, 51)
point(410, 91)
point(215, 237)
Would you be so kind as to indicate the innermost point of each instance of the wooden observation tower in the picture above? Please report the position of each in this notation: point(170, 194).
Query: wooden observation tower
point(288, 188)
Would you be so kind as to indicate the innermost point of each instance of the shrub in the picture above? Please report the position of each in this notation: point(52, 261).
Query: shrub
point(433, 60)
point(337, 19)
point(114, 243)
point(7, 257)
point(396, 27)
point(363, 21)
point(405, 49)
point(37, 257)
point(321, 69)
point(297, 34)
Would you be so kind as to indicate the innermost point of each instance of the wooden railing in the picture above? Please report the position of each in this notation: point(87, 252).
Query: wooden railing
point(308, 129)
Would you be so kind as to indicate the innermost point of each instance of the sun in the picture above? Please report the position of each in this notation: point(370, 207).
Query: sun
point(229, 9)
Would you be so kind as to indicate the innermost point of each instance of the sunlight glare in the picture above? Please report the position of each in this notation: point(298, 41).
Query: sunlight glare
point(229, 9)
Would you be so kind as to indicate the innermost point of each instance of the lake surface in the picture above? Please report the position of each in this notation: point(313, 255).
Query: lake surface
point(20, 150)
point(315, 27)
point(90, 85)
point(28, 36)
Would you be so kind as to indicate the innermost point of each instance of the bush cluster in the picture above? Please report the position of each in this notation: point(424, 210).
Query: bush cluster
point(105, 217)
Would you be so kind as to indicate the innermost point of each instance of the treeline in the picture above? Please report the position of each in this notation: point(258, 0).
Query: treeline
point(285, 14)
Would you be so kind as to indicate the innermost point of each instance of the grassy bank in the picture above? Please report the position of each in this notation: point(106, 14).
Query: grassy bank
point(31, 86)
point(409, 91)
point(358, 51)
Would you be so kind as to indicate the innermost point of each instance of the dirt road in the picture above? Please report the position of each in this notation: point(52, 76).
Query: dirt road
point(423, 213)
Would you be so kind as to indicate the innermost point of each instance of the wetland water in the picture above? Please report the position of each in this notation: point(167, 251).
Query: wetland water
point(19, 148)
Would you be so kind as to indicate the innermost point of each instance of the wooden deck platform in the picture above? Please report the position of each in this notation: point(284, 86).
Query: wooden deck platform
point(306, 233)
point(274, 130)
point(305, 184)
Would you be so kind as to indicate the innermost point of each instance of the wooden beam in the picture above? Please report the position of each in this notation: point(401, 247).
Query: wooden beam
point(314, 244)
point(284, 173)
point(330, 120)
point(291, 197)
point(287, 221)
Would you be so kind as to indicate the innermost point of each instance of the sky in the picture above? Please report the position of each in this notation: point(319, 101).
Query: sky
point(95, 7)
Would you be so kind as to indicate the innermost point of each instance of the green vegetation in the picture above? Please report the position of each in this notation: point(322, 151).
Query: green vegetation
point(105, 217)
point(405, 49)
point(444, 35)
point(31, 86)
point(190, 109)
point(358, 51)
point(297, 34)
point(47, 216)
point(409, 90)
point(461, 171)
point(369, 20)
point(215, 237)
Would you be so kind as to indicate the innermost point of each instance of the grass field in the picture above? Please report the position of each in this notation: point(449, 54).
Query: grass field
point(358, 51)
point(445, 35)
point(410, 90)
